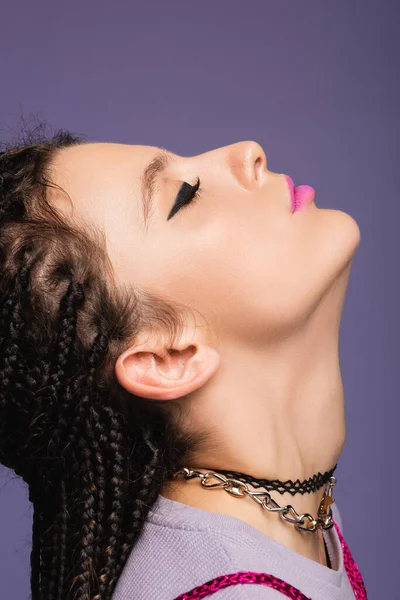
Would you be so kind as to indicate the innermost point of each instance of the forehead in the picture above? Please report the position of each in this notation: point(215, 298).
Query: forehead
point(86, 157)
point(95, 176)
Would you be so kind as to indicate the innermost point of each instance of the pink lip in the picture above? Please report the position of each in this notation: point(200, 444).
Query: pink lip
point(300, 195)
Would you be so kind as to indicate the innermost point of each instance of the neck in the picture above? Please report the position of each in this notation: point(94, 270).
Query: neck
point(275, 413)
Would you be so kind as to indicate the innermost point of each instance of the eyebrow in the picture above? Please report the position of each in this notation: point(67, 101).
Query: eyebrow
point(149, 180)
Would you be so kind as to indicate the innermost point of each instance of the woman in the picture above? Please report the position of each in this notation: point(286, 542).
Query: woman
point(163, 318)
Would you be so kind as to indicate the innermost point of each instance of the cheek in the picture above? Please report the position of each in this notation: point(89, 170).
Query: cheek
point(252, 279)
point(238, 281)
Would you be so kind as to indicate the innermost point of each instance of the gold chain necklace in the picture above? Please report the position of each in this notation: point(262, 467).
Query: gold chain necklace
point(304, 522)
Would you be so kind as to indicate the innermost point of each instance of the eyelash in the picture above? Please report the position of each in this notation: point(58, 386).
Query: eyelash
point(187, 194)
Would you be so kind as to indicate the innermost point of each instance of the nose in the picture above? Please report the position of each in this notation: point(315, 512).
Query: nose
point(248, 163)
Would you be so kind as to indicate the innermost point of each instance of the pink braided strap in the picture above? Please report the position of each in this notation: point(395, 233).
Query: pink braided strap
point(212, 586)
point(353, 572)
point(253, 577)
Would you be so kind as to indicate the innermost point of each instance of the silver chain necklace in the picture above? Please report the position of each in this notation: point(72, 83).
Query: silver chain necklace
point(304, 522)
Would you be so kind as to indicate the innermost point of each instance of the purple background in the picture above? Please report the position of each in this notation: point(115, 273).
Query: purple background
point(316, 84)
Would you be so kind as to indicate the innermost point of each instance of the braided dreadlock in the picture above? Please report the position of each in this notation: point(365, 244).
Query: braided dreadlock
point(94, 456)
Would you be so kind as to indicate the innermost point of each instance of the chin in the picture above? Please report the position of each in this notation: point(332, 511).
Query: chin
point(346, 233)
point(351, 231)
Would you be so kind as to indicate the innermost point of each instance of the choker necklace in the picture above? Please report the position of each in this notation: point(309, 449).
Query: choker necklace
point(236, 484)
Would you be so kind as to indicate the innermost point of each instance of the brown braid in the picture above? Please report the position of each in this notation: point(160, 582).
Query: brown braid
point(94, 456)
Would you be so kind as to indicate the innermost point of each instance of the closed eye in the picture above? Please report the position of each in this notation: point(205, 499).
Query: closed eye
point(187, 194)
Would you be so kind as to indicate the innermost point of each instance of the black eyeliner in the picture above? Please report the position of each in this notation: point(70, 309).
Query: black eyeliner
point(185, 195)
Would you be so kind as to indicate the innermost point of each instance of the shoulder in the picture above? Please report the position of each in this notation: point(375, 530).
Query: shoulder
point(183, 559)
point(166, 562)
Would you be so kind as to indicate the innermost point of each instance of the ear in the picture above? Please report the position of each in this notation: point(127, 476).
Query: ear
point(150, 370)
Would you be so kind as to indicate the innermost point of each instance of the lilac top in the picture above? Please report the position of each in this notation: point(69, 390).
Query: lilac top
point(181, 547)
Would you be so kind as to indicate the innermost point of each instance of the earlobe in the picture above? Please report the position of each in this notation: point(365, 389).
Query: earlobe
point(166, 374)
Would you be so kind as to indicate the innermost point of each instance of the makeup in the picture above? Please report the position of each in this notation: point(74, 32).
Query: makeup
point(300, 195)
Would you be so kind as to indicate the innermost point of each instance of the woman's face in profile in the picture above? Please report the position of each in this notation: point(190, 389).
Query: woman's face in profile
point(236, 252)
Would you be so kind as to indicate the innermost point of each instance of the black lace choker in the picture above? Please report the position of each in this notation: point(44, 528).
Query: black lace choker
point(307, 486)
